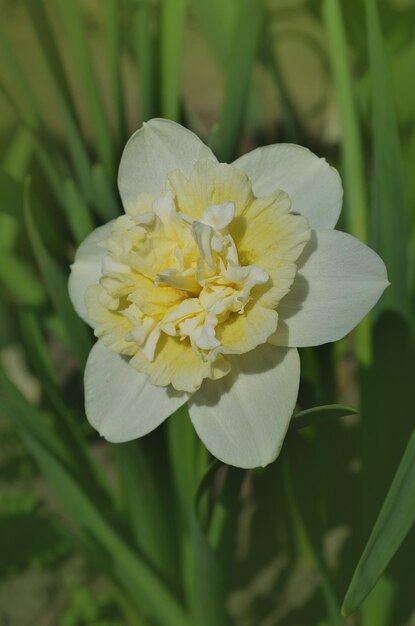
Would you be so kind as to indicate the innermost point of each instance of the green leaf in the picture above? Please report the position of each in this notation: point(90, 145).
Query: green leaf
point(145, 54)
point(149, 524)
point(126, 568)
point(15, 162)
point(238, 75)
point(306, 505)
point(173, 17)
point(11, 195)
point(65, 424)
point(60, 87)
point(77, 212)
point(211, 13)
point(72, 22)
point(386, 401)
point(390, 231)
point(26, 103)
point(18, 154)
point(51, 51)
point(351, 147)
point(20, 280)
point(56, 286)
point(209, 600)
point(290, 119)
point(113, 32)
point(395, 520)
point(318, 414)
point(106, 204)
point(183, 444)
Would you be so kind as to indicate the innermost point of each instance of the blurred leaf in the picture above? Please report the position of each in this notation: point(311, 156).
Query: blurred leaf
point(386, 410)
point(389, 216)
point(51, 51)
point(173, 18)
point(378, 608)
point(113, 32)
point(146, 58)
point(211, 14)
point(15, 163)
point(75, 29)
point(126, 568)
point(318, 414)
point(26, 102)
point(351, 147)
point(209, 600)
point(11, 195)
point(148, 523)
point(183, 443)
point(290, 122)
point(56, 285)
point(65, 423)
point(245, 45)
point(18, 154)
point(395, 519)
point(106, 204)
point(307, 494)
point(183, 447)
point(20, 280)
point(37, 543)
point(26, 417)
point(60, 87)
point(77, 211)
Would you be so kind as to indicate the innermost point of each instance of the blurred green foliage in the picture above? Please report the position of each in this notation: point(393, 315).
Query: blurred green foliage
point(178, 542)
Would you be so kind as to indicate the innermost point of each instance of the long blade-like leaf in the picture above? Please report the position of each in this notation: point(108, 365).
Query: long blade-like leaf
point(145, 53)
point(20, 280)
point(318, 414)
point(126, 567)
point(173, 16)
point(395, 519)
point(77, 211)
point(75, 29)
point(209, 601)
point(112, 24)
point(357, 216)
point(59, 86)
point(55, 282)
point(149, 524)
point(238, 74)
point(389, 218)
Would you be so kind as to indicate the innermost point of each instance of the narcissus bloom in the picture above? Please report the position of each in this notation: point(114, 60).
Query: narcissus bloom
point(204, 289)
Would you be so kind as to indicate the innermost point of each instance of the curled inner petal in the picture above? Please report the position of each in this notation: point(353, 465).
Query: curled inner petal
point(195, 275)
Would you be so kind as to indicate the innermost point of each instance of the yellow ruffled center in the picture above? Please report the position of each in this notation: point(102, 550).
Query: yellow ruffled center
point(183, 283)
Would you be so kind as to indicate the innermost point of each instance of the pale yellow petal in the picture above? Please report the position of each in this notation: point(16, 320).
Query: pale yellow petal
point(267, 231)
point(143, 203)
point(210, 184)
point(175, 362)
point(244, 332)
point(268, 236)
point(112, 328)
point(154, 300)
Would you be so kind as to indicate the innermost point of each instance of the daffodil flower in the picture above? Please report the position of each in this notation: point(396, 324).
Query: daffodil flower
point(203, 291)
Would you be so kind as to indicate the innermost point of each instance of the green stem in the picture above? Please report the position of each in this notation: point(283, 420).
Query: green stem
point(351, 146)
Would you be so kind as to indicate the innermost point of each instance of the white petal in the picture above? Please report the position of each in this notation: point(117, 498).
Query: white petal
point(155, 150)
point(86, 269)
point(120, 403)
point(243, 418)
point(314, 187)
point(339, 280)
